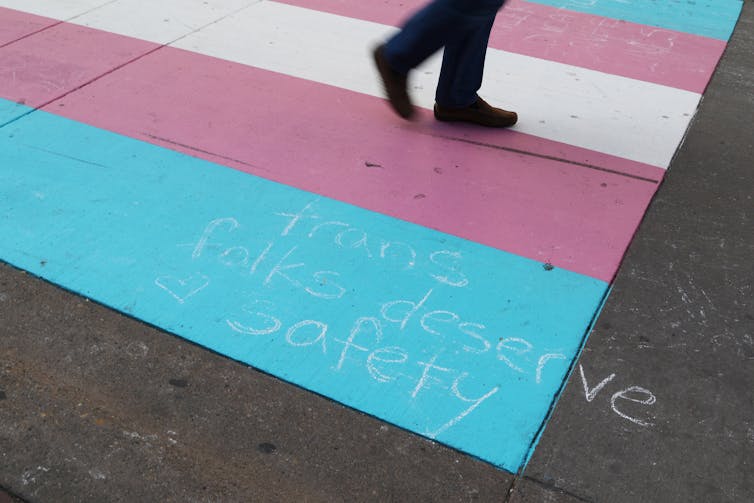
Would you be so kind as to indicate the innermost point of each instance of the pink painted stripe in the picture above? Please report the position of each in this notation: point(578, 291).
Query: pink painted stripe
point(54, 62)
point(470, 182)
point(651, 54)
point(15, 24)
point(347, 146)
point(37, 69)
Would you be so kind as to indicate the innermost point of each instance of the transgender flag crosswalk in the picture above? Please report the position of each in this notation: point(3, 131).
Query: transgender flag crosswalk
point(229, 172)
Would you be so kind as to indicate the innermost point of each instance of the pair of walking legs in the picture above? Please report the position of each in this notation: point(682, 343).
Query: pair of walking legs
point(462, 28)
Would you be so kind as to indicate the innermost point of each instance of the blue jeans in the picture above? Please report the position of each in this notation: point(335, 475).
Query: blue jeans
point(463, 28)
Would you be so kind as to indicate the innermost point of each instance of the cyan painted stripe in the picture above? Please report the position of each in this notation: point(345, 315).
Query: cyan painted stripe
point(442, 336)
point(10, 111)
point(708, 18)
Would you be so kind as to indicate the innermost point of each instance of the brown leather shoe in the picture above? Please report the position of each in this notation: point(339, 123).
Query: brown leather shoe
point(395, 85)
point(481, 113)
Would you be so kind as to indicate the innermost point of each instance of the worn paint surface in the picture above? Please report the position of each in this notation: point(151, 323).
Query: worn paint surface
point(441, 278)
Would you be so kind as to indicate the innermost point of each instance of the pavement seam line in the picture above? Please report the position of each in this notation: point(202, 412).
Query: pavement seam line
point(133, 60)
point(89, 10)
point(548, 486)
point(23, 37)
point(78, 88)
point(53, 25)
point(201, 151)
point(545, 156)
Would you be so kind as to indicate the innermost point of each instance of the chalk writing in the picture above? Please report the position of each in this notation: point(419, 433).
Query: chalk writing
point(474, 404)
point(543, 360)
point(345, 235)
point(183, 288)
point(589, 394)
point(304, 284)
point(649, 399)
point(269, 324)
point(635, 394)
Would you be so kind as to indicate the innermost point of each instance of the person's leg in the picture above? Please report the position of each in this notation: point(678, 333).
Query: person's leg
point(463, 64)
point(456, 98)
point(425, 32)
point(463, 28)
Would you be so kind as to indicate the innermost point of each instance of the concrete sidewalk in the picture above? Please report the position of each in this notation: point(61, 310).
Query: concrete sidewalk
point(97, 406)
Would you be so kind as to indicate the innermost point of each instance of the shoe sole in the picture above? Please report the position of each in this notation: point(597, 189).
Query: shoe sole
point(401, 105)
point(478, 120)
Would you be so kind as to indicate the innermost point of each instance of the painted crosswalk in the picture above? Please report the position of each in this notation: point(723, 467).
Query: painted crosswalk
point(229, 172)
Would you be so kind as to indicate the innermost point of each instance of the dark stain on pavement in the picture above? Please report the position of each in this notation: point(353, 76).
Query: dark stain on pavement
point(267, 448)
point(178, 383)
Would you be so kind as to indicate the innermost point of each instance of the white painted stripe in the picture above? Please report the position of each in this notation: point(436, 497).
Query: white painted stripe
point(625, 117)
point(160, 21)
point(55, 9)
point(629, 118)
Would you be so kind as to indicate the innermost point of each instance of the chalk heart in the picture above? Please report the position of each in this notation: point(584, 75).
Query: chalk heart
point(183, 289)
